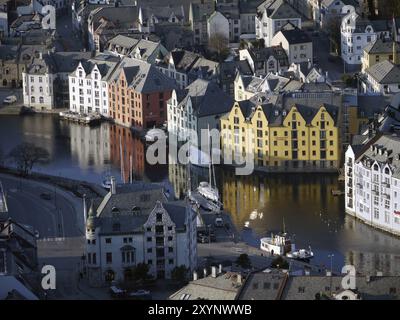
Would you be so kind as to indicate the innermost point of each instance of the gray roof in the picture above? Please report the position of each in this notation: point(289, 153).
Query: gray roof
point(143, 76)
point(390, 144)
point(105, 63)
point(207, 98)
point(296, 36)
point(249, 6)
point(262, 54)
point(223, 287)
point(163, 12)
point(384, 72)
point(381, 46)
point(122, 15)
point(278, 9)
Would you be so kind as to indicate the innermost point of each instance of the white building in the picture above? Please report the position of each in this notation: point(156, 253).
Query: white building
point(135, 224)
point(198, 107)
point(297, 44)
point(373, 182)
point(37, 83)
point(357, 33)
point(272, 16)
point(88, 85)
point(218, 24)
point(335, 9)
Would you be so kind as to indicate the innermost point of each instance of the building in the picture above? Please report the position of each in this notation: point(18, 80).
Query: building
point(373, 182)
point(197, 108)
point(142, 49)
point(357, 32)
point(297, 44)
point(150, 16)
point(332, 10)
point(185, 67)
point(378, 51)
point(248, 11)
point(247, 87)
point(278, 285)
point(14, 60)
point(88, 85)
point(272, 16)
point(288, 132)
point(45, 81)
point(216, 286)
point(265, 60)
point(3, 20)
point(218, 27)
point(136, 224)
point(198, 15)
point(383, 78)
point(227, 71)
point(138, 94)
point(117, 17)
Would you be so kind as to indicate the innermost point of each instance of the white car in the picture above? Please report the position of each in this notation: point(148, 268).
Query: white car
point(10, 100)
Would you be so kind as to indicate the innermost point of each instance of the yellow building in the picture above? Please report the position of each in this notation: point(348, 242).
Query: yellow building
point(379, 51)
point(296, 137)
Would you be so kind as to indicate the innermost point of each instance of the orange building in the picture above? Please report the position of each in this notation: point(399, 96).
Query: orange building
point(138, 95)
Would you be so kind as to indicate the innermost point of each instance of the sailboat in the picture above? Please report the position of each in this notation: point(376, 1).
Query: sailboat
point(207, 190)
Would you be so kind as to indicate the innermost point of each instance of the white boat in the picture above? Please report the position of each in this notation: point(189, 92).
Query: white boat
point(154, 134)
point(278, 244)
point(302, 254)
point(208, 192)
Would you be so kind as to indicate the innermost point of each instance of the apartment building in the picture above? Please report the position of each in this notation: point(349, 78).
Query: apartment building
point(373, 182)
point(287, 132)
point(138, 93)
point(273, 16)
point(135, 224)
point(88, 85)
point(379, 51)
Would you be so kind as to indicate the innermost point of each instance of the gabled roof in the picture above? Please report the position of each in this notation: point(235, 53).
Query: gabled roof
point(296, 36)
point(380, 46)
point(384, 72)
point(278, 9)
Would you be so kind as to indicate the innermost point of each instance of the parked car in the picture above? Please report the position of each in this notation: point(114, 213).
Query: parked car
point(45, 196)
point(117, 293)
point(10, 100)
point(140, 294)
point(219, 223)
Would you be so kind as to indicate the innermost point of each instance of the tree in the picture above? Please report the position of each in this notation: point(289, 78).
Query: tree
point(219, 44)
point(26, 155)
point(141, 272)
point(244, 261)
point(349, 80)
point(280, 263)
point(333, 27)
point(179, 273)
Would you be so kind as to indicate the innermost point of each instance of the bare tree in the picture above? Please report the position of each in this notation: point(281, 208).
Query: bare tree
point(333, 27)
point(219, 44)
point(26, 155)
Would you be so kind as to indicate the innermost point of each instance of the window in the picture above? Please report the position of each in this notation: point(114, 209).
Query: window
point(109, 257)
point(108, 240)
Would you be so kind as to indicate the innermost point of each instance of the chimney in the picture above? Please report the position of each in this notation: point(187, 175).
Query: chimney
point(239, 279)
point(113, 186)
point(220, 269)
point(309, 64)
point(214, 272)
point(205, 272)
point(195, 276)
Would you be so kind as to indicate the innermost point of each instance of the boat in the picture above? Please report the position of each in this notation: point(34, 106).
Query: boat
point(154, 134)
point(278, 244)
point(302, 254)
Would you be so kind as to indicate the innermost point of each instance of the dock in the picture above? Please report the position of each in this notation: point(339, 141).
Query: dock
point(81, 118)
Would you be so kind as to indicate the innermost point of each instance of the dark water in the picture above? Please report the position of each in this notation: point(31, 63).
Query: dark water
point(303, 203)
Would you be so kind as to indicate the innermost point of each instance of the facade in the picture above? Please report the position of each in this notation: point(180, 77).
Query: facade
point(248, 11)
point(373, 182)
point(265, 60)
point(197, 108)
point(136, 224)
point(218, 25)
point(150, 16)
point(198, 15)
point(335, 10)
point(185, 67)
point(138, 94)
point(88, 85)
point(379, 51)
point(272, 16)
point(297, 44)
point(293, 136)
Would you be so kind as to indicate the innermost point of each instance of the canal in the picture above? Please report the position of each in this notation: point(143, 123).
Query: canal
point(303, 204)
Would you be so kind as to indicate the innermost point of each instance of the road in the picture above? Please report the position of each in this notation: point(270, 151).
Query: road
point(59, 217)
point(5, 92)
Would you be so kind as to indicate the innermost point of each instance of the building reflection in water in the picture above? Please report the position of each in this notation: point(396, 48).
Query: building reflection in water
point(90, 145)
point(383, 256)
point(124, 142)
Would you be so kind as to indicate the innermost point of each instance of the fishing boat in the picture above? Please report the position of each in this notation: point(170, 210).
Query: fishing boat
point(302, 254)
point(278, 244)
